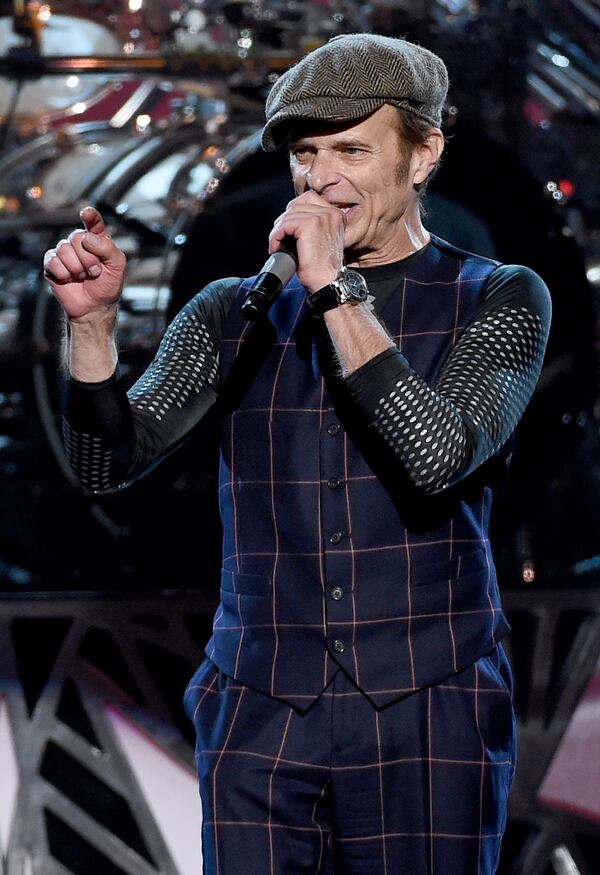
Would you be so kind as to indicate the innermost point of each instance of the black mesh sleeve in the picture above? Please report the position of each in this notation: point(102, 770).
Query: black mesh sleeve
point(442, 433)
point(112, 435)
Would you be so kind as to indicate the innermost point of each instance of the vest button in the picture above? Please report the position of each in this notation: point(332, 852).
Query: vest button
point(334, 482)
point(336, 593)
point(334, 428)
point(338, 646)
point(335, 537)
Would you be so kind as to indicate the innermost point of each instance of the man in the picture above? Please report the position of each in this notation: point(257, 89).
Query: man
point(354, 706)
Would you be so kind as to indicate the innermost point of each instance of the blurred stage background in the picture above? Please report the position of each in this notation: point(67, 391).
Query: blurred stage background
point(150, 110)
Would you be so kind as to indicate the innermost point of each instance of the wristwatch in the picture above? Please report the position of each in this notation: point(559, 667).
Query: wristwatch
point(349, 287)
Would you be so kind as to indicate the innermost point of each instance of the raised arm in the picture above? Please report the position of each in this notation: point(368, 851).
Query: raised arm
point(111, 435)
point(86, 272)
point(441, 433)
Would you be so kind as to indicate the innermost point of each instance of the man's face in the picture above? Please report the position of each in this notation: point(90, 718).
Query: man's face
point(363, 169)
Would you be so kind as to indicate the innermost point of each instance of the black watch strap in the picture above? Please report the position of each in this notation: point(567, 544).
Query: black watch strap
point(323, 300)
point(348, 287)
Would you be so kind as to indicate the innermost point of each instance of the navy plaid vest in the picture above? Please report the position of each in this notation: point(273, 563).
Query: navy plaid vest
point(331, 558)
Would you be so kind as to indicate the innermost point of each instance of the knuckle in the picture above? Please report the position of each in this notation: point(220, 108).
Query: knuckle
point(55, 266)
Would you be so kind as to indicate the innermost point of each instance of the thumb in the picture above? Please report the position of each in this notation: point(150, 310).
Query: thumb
point(93, 220)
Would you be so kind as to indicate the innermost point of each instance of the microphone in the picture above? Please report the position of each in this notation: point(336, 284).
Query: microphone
point(276, 273)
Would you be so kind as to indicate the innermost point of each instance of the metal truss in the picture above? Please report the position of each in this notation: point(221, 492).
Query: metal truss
point(555, 651)
point(66, 663)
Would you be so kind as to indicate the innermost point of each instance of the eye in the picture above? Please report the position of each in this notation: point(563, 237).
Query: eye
point(352, 150)
point(300, 153)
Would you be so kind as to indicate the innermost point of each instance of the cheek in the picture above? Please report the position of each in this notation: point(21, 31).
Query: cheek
point(395, 198)
point(299, 180)
point(383, 202)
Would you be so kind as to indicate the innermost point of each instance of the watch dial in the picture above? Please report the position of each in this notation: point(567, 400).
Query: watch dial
point(357, 285)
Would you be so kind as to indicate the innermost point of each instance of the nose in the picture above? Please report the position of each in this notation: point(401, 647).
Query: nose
point(321, 173)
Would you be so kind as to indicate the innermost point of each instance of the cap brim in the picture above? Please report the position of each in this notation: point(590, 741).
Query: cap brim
point(276, 132)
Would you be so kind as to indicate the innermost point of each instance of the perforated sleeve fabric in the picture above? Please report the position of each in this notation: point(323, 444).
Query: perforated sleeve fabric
point(442, 433)
point(110, 435)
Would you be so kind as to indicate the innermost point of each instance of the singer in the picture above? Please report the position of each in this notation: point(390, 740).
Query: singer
point(353, 711)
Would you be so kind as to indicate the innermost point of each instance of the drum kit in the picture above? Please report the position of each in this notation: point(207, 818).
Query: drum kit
point(146, 106)
point(150, 109)
point(143, 106)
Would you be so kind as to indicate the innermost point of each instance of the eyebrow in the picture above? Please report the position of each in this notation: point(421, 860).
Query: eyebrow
point(345, 141)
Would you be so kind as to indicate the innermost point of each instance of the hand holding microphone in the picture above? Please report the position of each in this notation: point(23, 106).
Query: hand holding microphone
point(308, 238)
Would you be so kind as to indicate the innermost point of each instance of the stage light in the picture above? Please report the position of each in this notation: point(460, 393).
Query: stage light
point(142, 122)
point(567, 187)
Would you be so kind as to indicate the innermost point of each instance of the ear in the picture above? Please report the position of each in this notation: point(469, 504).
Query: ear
point(426, 155)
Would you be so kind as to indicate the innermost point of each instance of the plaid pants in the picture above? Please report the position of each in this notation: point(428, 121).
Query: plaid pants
point(417, 788)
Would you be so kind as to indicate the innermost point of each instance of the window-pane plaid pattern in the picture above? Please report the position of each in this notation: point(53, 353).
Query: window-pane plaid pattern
point(417, 788)
point(330, 557)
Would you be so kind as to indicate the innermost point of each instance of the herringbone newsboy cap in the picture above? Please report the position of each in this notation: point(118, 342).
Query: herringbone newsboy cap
point(350, 77)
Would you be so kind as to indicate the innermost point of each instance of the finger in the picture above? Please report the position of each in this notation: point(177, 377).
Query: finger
point(289, 224)
point(276, 236)
point(331, 217)
point(313, 207)
point(101, 246)
point(67, 255)
point(89, 260)
point(304, 224)
point(311, 198)
point(93, 220)
point(54, 269)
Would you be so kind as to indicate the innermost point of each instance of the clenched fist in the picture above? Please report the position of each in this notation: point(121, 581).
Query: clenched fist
point(86, 270)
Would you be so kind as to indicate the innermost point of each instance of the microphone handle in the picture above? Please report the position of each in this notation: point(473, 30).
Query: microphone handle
point(276, 273)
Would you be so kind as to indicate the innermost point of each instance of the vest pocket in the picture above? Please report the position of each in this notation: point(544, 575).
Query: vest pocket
point(245, 584)
point(459, 566)
point(497, 663)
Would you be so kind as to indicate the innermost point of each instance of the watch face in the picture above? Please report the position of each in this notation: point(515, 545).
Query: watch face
point(356, 285)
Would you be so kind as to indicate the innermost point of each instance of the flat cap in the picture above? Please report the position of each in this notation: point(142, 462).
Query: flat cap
point(350, 77)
